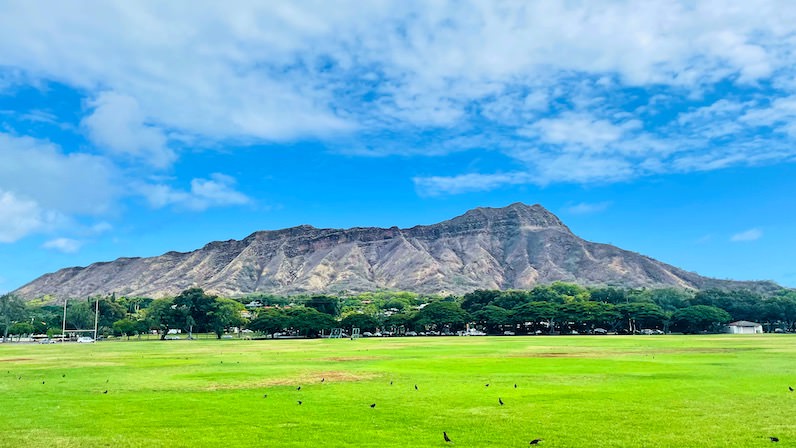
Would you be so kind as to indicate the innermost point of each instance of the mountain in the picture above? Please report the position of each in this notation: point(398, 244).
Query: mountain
point(514, 247)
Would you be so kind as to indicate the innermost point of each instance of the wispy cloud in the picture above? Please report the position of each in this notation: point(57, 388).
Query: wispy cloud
point(21, 217)
point(65, 245)
point(586, 208)
point(218, 191)
point(564, 95)
point(747, 235)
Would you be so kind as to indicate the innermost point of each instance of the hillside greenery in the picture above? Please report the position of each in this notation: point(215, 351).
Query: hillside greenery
point(546, 309)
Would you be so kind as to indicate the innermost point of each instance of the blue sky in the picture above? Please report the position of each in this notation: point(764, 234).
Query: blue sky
point(665, 128)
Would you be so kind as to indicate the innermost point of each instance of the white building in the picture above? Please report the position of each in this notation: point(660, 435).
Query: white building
point(744, 327)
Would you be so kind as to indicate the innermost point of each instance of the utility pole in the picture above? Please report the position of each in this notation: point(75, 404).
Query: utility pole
point(96, 319)
point(63, 326)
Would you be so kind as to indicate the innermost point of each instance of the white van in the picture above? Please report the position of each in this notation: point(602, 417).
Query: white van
point(85, 340)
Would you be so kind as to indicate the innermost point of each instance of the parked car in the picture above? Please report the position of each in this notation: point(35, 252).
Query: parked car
point(600, 331)
point(508, 333)
point(47, 341)
point(171, 338)
point(85, 340)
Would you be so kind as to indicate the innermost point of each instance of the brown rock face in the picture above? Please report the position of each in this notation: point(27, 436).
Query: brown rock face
point(514, 247)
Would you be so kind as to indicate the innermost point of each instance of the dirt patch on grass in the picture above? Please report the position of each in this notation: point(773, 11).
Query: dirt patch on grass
point(348, 358)
point(15, 359)
point(301, 379)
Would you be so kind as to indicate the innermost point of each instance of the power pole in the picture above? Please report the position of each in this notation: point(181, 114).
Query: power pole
point(96, 319)
point(63, 326)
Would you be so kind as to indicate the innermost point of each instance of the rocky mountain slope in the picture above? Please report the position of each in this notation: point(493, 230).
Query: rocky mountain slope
point(513, 247)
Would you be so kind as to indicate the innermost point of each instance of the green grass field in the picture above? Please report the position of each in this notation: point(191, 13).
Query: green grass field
point(581, 391)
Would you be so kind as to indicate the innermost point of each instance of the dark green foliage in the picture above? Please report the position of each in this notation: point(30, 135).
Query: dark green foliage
point(11, 309)
point(443, 315)
point(364, 322)
point(699, 318)
point(493, 318)
point(325, 304)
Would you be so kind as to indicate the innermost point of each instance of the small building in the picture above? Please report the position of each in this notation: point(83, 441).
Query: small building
point(744, 327)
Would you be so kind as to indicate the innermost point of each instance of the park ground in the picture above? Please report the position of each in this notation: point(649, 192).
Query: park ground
point(573, 391)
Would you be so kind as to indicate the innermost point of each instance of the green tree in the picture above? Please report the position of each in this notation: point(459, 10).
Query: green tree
point(362, 321)
point(193, 308)
point(474, 301)
point(224, 314)
point(494, 318)
point(640, 315)
point(442, 315)
point(20, 328)
point(163, 316)
point(534, 312)
point(309, 321)
point(697, 318)
point(12, 308)
point(125, 327)
point(270, 321)
point(325, 304)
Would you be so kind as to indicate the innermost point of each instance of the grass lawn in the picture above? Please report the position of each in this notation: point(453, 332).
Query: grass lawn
point(572, 391)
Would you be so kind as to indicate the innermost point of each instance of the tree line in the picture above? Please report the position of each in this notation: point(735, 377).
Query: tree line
point(556, 308)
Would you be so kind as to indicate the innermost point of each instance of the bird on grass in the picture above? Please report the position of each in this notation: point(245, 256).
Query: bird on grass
point(323, 380)
point(500, 401)
point(415, 386)
point(373, 405)
point(106, 391)
point(42, 382)
point(774, 439)
point(445, 436)
point(515, 386)
point(790, 388)
point(298, 388)
point(536, 441)
point(63, 376)
point(390, 382)
point(486, 385)
point(265, 395)
point(299, 402)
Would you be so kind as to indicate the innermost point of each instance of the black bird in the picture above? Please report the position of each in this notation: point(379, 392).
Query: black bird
point(500, 401)
point(790, 388)
point(774, 439)
point(536, 441)
point(298, 388)
point(106, 391)
point(42, 382)
point(63, 376)
point(299, 402)
point(265, 395)
point(373, 405)
point(445, 436)
point(390, 382)
point(515, 386)
point(415, 386)
point(19, 377)
point(486, 385)
point(323, 380)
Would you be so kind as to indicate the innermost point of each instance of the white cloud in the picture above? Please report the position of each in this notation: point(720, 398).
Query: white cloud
point(65, 245)
point(437, 185)
point(586, 208)
point(218, 191)
point(21, 217)
point(118, 126)
point(559, 74)
point(67, 183)
point(747, 235)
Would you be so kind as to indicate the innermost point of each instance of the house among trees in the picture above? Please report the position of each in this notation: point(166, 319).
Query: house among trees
point(744, 327)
